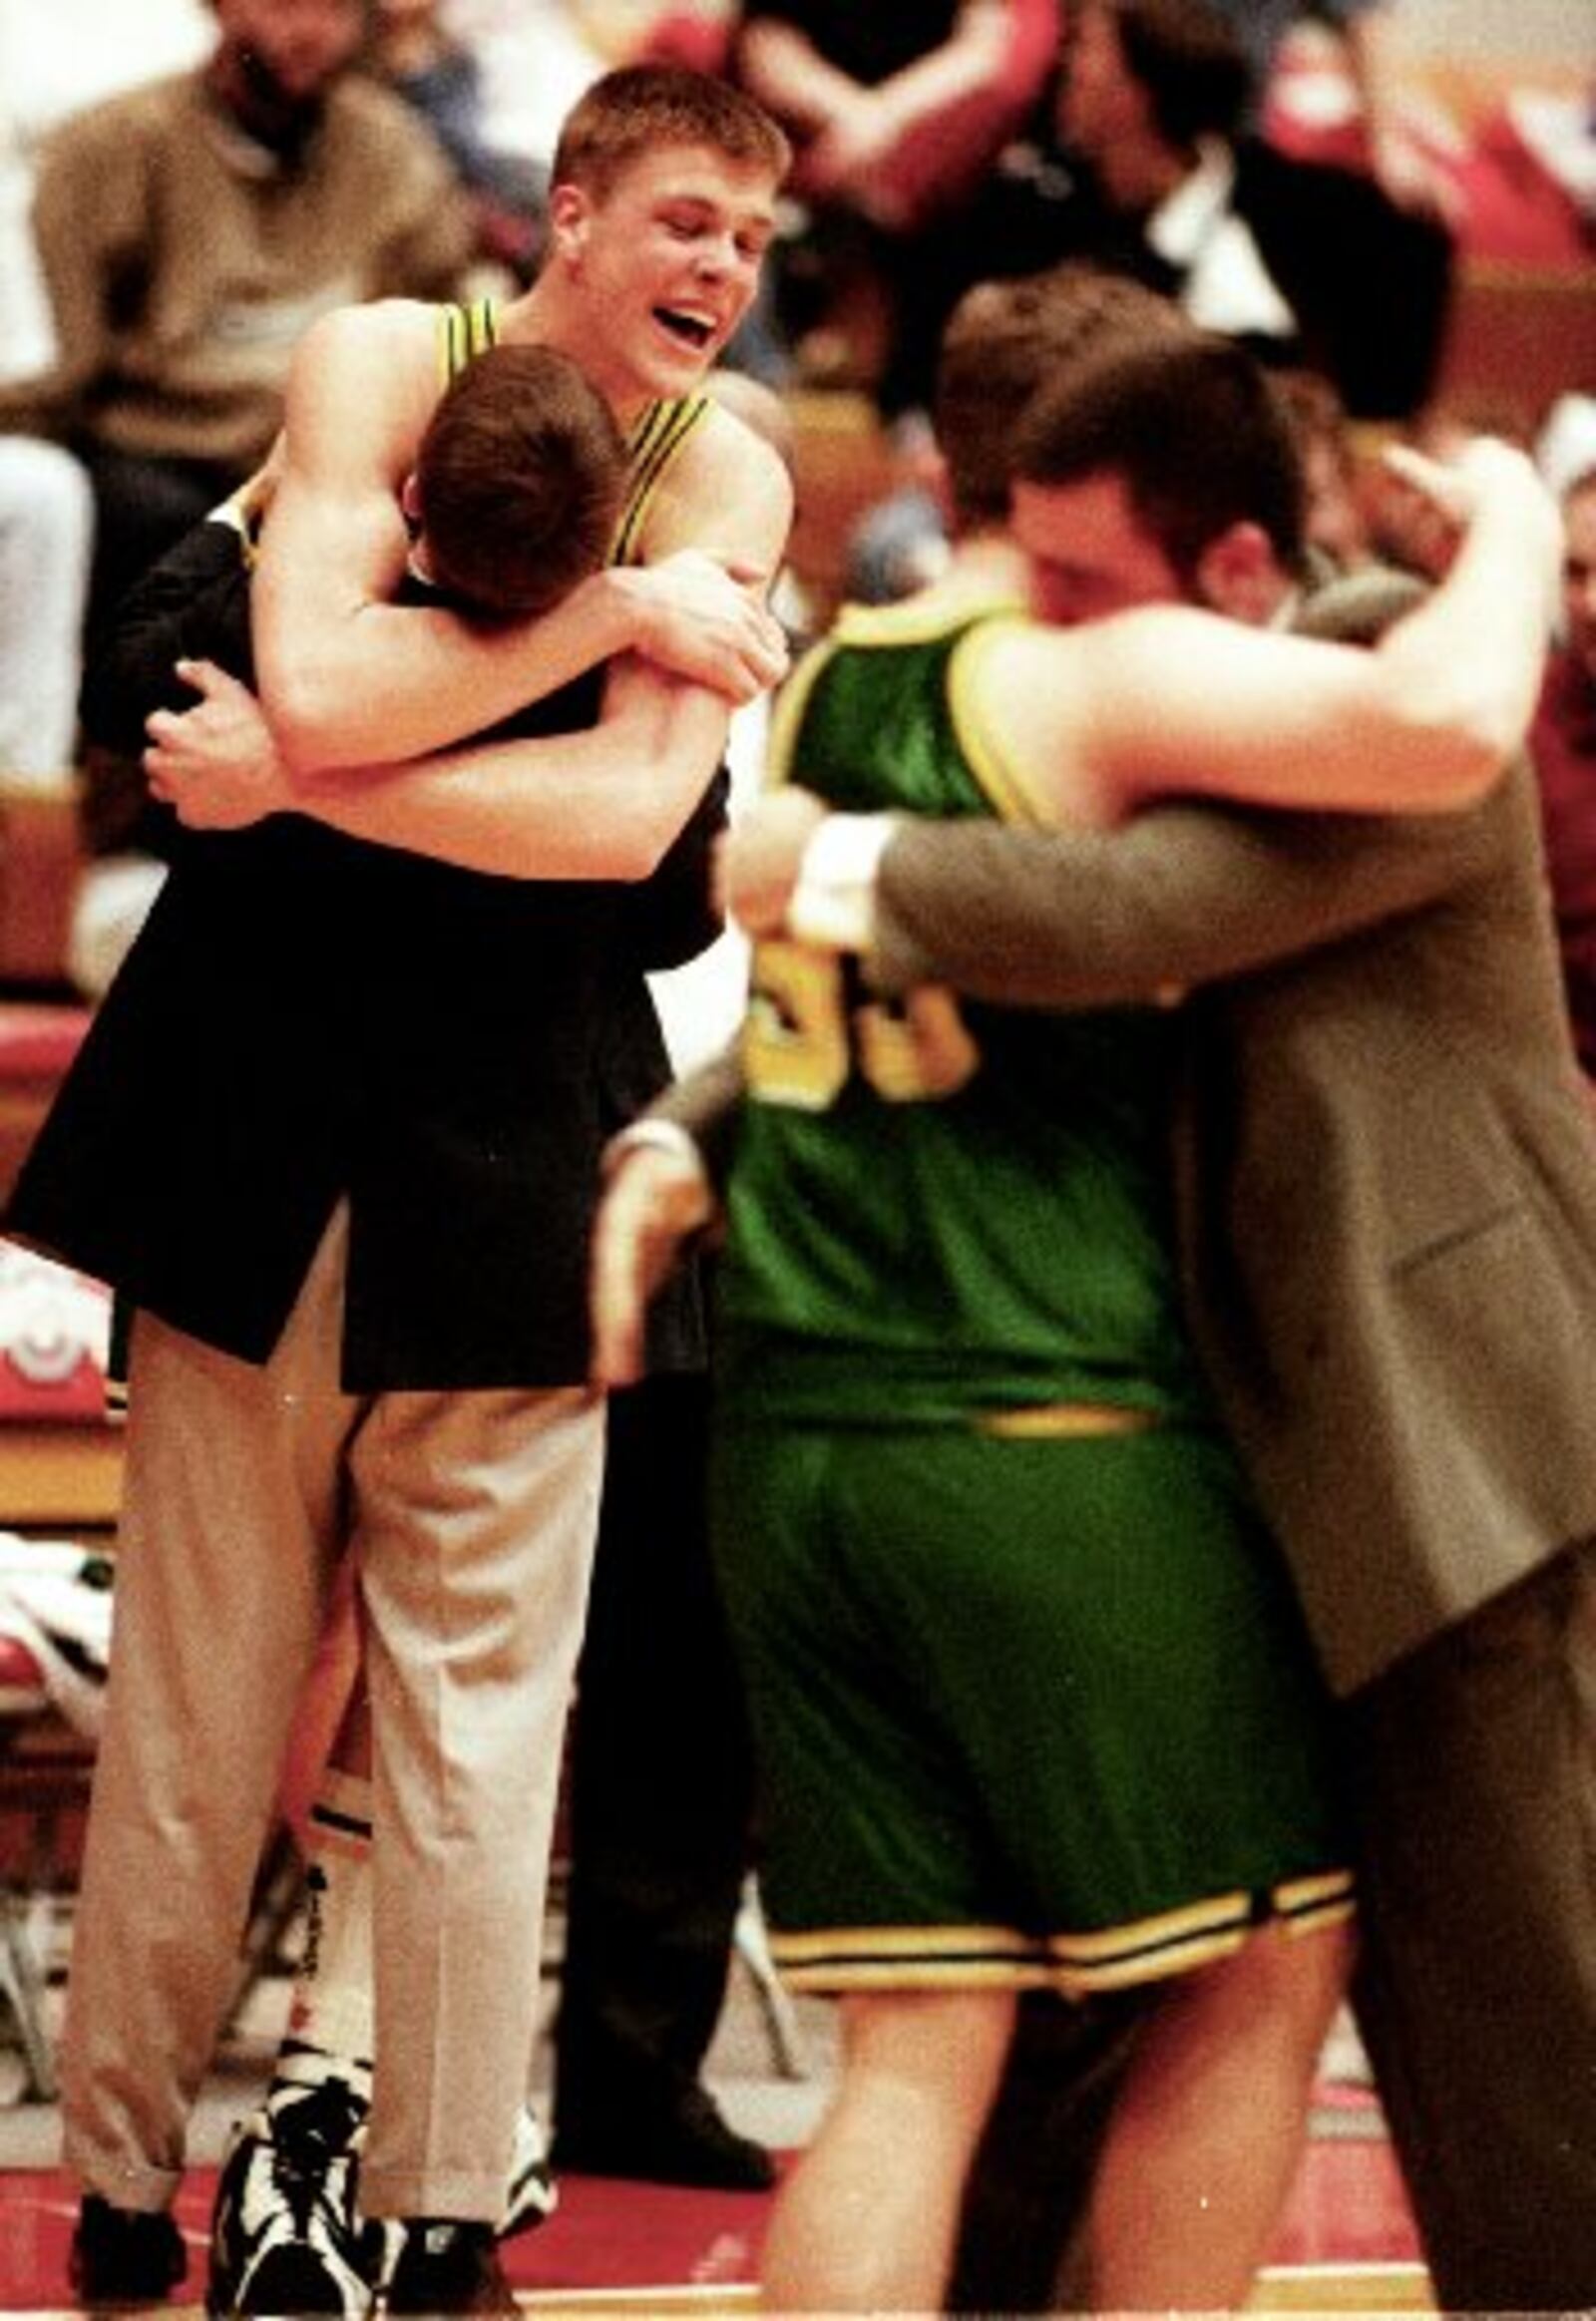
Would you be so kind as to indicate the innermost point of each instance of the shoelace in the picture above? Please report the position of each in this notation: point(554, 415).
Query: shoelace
point(310, 2156)
point(311, 2192)
point(323, 2119)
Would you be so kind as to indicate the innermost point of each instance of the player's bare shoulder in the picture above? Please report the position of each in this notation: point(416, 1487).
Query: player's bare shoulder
point(730, 490)
point(371, 372)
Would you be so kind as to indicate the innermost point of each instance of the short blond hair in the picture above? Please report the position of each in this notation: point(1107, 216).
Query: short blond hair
point(637, 109)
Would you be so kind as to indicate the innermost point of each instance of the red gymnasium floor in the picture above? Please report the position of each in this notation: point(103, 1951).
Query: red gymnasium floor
point(1348, 2234)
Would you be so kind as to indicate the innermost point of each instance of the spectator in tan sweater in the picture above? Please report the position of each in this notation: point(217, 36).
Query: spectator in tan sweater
point(188, 230)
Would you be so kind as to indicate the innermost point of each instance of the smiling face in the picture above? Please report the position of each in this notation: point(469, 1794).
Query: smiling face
point(663, 265)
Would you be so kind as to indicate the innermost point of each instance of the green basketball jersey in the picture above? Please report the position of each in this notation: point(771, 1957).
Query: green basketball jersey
point(937, 1210)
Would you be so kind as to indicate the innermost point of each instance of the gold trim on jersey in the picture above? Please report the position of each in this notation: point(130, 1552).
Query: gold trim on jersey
point(1176, 1941)
point(469, 329)
point(871, 628)
point(465, 330)
point(787, 712)
point(886, 628)
point(836, 1977)
point(917, 619)
point(1306, 1904)
point(653, 444)
point(985, 754)
point(925, 1941)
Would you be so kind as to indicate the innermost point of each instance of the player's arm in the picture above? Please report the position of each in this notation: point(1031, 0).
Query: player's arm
point(1170, 699)
point(348, 678)
point(604, 803)
point(727, 496)
point(608, 803)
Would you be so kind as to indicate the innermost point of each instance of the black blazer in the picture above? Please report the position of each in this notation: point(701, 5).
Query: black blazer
point(305, 1016)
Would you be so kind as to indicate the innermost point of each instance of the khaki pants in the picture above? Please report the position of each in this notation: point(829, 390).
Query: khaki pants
point(472, 1517)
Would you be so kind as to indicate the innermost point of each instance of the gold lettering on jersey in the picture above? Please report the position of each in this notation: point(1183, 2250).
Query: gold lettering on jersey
point(917, 1050)
point(800, 1043)
point(795, 1039)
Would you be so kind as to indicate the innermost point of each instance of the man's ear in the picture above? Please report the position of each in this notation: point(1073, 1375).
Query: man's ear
point(1239, 573)
point(410, 498)
point(568, 213)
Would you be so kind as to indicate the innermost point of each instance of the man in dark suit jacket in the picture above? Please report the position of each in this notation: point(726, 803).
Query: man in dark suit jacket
point(1387, 1190)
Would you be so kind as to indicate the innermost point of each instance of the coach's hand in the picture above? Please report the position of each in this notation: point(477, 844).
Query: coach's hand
point(656, 1199)
point(216, 764)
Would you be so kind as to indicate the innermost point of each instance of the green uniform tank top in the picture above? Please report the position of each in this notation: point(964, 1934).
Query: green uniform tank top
point(938, 1213)
point(656, 436)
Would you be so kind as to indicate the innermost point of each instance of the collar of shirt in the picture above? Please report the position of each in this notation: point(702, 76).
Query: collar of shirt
point(1227, 286)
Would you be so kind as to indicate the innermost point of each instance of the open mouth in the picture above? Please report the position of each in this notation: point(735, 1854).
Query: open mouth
point(692, 330)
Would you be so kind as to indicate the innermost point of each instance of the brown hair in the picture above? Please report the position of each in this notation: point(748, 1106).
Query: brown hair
point(1196, 430)
point(519, 478)
point(1004, 342)
point(639, 108)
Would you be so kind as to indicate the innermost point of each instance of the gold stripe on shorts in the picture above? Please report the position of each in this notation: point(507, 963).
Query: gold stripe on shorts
point(1176, 1941)
point(1062, 1420)
point(909, 1958)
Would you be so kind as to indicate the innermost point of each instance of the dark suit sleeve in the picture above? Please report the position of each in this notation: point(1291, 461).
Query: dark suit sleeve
point(671, 917)
point(705, 1103)
point(194, 606)
point(1180, 896)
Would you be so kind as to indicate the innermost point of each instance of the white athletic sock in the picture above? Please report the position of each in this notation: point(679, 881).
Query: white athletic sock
point(329, 2018)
